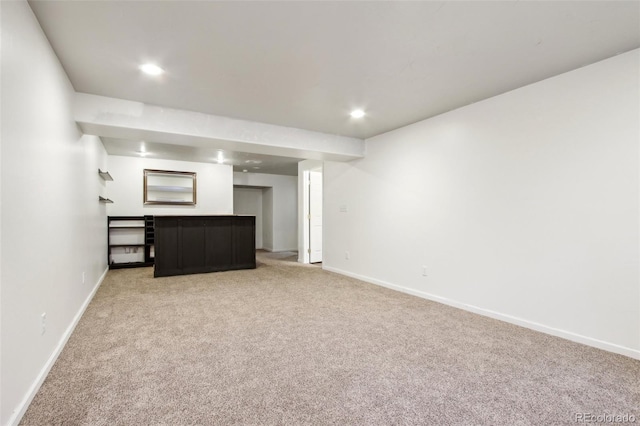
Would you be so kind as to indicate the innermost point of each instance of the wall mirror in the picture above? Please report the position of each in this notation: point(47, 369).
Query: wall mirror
point(168, 187)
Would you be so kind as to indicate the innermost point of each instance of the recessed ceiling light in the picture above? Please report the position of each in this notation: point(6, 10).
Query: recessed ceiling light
point(151, 69)
point(253, 161)
point(245, 170)
point(357, 113)
point(220, 157)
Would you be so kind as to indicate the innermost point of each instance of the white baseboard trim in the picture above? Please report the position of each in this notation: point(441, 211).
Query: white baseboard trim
point(279, 250)
point(33, 390)
point(589, 341)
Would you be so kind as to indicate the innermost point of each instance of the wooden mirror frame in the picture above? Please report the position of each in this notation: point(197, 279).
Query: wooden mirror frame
point(190, 193)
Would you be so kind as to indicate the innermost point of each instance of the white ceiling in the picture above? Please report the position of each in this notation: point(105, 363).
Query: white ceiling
point(307, 64)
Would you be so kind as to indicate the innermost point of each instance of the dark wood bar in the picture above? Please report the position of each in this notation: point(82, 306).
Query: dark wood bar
point(197, 244)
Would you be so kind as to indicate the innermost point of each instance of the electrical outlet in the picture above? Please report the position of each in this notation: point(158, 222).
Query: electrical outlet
point(43, 323)
point(347, 255)
point(83, 278)
point(424, 271)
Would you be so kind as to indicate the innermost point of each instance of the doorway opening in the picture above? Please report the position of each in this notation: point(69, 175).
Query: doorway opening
point(256, 201)
point(315, 216)
point(310, 209)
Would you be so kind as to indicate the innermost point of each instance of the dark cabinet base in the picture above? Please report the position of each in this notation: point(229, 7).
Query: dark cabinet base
point(199, 244)
point(130, 265)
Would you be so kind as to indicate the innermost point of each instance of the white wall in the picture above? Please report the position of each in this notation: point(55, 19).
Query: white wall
point(282, 226)
point(214, 187)
point(523, 207)
point(53, 227)
point(248, 201)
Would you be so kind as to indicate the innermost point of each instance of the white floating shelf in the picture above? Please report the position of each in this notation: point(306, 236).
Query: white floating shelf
point(104, 175)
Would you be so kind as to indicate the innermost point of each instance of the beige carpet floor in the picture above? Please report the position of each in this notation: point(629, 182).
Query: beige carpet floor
point(293, 344)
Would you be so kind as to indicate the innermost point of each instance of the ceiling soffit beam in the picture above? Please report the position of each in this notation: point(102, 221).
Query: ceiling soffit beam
point(119, 118)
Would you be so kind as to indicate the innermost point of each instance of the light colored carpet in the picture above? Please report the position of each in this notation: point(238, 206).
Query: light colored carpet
point(293, 344)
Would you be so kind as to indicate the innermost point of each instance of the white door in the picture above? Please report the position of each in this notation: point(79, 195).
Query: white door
point(315, 217)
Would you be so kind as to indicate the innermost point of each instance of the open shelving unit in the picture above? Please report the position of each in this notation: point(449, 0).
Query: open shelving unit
point(130, 241)
point(149, 239)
